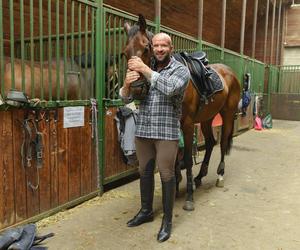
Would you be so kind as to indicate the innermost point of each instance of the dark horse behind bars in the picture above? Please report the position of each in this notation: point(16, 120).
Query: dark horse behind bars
point(194, 110)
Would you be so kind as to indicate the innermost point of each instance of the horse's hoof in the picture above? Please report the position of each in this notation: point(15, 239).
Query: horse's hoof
point(189, 206)
point(197, 182)
point(220, 182)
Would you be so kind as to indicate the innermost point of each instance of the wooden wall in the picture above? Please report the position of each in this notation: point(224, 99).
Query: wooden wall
point(114, 164)
point(291, 53)
point(292, 34)
point(179, 15)
point(69, 168)
point(183, 16)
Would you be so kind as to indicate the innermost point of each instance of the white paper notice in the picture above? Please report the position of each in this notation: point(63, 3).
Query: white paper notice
point(73, 117)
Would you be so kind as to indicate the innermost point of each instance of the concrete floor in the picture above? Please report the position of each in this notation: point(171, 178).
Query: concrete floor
point(259, 207)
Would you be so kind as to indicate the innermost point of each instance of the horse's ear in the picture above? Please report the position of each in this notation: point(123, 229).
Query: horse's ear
point(127, 27)
point(142, 23)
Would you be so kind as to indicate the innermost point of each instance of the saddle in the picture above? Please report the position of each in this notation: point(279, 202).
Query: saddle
point(205, 80)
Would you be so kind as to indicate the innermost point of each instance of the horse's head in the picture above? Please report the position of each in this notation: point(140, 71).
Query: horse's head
point(139, 43)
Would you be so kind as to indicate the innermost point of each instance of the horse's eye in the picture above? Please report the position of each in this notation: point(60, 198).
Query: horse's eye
point(147, 48)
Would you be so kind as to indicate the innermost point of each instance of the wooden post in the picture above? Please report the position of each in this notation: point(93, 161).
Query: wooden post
point(200, 23)
point(254, 29)
point(223, 28)
point(266, 32)
point(243, 27)
point(272, 31)
point(157, 15)
point(277, 61)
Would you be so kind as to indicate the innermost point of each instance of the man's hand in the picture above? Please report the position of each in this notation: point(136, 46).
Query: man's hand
point(136, 64)
point(130, 77)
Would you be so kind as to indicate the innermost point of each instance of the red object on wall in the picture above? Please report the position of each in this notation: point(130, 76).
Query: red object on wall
point(217, 121)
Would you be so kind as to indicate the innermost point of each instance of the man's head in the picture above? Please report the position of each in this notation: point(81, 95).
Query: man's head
point(162, 47)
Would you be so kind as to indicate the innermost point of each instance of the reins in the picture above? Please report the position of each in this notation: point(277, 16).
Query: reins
point(32, 139)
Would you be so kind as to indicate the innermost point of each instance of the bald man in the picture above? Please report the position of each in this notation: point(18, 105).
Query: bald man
point(158, 128)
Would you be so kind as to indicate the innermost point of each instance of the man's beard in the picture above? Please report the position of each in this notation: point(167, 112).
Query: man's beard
point(164, 61)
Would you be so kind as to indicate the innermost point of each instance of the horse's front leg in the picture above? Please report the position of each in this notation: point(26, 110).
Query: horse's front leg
point(188, 162)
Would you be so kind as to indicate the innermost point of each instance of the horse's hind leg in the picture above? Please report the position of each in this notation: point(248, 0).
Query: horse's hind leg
point(210, 142)
point(226, 142)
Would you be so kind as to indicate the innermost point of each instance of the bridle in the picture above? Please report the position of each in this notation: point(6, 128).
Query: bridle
point(140, 88)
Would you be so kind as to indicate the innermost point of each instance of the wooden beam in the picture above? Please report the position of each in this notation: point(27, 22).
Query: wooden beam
point(266, 31)
point(254, 28)
point(277, 60)
point(200, 19)
point(157, 15)
point(242, 40)
point(272, 31)
point(223, 24)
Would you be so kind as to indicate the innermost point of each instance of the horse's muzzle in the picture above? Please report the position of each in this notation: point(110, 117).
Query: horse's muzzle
point(139, 89)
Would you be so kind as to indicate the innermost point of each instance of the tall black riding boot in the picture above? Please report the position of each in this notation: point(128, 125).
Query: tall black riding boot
point(146, 212)
point(168, 196)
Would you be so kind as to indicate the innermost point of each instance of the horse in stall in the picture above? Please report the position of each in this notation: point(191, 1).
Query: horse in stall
point(80, 74)
point(194, 110)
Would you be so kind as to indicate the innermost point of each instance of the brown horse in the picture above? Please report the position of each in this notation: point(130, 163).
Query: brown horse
point(79, 84)
point(194, 110)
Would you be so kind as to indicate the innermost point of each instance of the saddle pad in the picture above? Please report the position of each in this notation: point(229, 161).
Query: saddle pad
point(205, 86)
point(217, 84)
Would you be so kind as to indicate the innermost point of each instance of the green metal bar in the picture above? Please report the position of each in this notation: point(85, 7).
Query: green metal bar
point(79, 46)
point(72, 33)
point(119, 54)
point(100, 79)
point(12, 56)
point(1, 50)
point(65, 49)
point(93, 51)
point(108, 53)
point(157, 5)
point(41, 48)
point(123, 62)
point(49, 51)
point(57, 53)
point(114, 59)
point(31, 50)
point(87, 2)
point(22, 42)
point(86, 49)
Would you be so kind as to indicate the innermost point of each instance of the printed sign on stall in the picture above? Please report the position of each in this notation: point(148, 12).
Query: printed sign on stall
point(73, 117)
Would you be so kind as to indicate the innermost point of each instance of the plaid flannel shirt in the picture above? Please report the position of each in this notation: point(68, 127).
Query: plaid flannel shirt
point(160, 112)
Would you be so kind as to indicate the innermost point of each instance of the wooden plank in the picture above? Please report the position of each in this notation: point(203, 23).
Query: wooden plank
point(114, 163)
point(95, 170)
point(7, 206)
point(33, 196)
point(45, 177)
point(86, 153)
point(53, 158)
point(19, 171)
point(110, 155)
point(63, 169)
point(74, 151)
